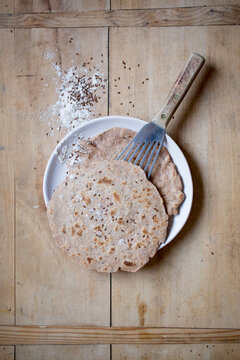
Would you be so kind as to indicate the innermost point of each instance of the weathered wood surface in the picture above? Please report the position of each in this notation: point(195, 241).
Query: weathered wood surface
point(62, 352)
point(31, 6)
point(172, 352)
point(49, 287)
point(148, 4)
point(182, 16)
point(193, 281)
point(7, 352)
point(14, 335)
point(7, 187)
point(6, 6)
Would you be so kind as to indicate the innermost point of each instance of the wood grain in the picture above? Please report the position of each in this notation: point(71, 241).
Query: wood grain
point(192, 282)
point(15, 335)
point(191, 16)
point(62, 352)
point(6, 6)
point(148, 4)
point(7, 188)
point(50, 288)
point(26, 6)
point(7, 352)
point(170, 352)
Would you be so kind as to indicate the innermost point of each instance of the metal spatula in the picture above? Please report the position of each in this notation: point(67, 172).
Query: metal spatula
point(150, 138)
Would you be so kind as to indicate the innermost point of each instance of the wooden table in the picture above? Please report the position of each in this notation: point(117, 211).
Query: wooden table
point(186, 302)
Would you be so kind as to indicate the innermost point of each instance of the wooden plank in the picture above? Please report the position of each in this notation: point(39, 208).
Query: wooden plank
point(148, 4)
point(50, 287)
point(7, 146)
point(7, 352)
point(192, 16)
point(26, 6)
point(62, 352)
point(169, 352)
point(189, 279)
point(7, 6)
point(223, 163)
point(15, 335)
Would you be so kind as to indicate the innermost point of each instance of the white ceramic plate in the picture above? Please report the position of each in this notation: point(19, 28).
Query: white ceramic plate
point(55, 171)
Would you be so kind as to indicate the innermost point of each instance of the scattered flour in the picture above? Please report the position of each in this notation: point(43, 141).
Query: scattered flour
point(78, 90)
point(122, 242)
point(67, 153)
point(49, 55)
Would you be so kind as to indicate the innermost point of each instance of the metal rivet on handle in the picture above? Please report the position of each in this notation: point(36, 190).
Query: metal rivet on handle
point(163, 116)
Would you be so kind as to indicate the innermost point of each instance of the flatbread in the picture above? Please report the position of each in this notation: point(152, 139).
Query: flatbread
point(109, 144)
point(108, 216)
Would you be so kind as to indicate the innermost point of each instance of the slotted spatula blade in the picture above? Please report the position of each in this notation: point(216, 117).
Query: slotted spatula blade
point(150, 138)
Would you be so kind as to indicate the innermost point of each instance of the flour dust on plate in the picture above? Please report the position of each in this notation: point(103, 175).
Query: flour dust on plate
point(56, 169)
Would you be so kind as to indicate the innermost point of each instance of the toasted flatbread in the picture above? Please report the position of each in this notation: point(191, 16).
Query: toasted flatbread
point(108, 216)
point(109, 144)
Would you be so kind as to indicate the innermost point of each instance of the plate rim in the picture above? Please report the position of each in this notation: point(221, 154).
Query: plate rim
point(126, 118)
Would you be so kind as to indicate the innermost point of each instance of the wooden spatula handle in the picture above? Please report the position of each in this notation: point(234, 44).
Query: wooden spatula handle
point(179, 90)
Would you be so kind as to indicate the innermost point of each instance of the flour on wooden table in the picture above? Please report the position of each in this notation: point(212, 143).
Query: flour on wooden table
point(78, 90)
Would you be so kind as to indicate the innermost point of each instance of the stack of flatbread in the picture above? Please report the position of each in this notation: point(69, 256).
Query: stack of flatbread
point(107, 215)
